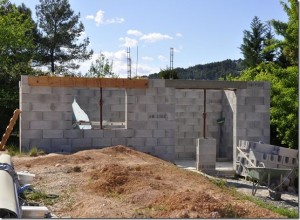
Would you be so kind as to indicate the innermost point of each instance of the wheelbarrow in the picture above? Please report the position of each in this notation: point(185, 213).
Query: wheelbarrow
point(270, 177)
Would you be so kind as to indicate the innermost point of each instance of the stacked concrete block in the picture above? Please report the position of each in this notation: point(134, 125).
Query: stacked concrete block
point(189, 120)
point(264, 155)
point(206, 155)
point(150, 113)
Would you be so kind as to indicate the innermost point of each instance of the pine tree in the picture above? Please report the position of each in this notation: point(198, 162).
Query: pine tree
point(253, 43)
point(59, 30)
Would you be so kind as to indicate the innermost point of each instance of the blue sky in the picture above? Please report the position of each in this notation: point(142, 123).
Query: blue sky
point(200, 31)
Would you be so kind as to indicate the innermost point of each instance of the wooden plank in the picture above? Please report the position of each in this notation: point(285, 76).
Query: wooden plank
point(38, 81)
point(87, 82)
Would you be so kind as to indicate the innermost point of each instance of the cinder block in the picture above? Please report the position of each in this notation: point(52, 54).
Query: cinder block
point(118, 141)
point(25, 89)
point(136, 142)
point(31, 134)
point(63, 91)
point(254, 100)
point(153, 83)
point(151, 142)
point(52, 133)
point(61, 107)
point(40, 125)
point(165, 108)
point(52, 116)
point(142, 116)
point(81, 143)
point(74, 133)
point(101, 142)
point(165, 141)
point(126, 133)
point(166, 125)
point(185, 141)
point(41, 90)
point(151, 108)
point(31, 116)
point(97, 133)
point(145, 99)
point(118, 107)
point(254, 132)
point(41, 107)
point(135, 92)
point(109, 133)
point(143, 133)
point(158, 133)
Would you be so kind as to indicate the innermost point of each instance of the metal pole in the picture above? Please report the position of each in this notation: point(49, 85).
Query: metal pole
point(101, 105)
point(204, 115)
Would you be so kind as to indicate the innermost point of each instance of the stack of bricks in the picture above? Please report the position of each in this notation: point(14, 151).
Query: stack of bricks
point(206, 155)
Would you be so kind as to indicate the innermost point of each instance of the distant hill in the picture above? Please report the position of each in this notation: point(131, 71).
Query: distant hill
point(209, 71)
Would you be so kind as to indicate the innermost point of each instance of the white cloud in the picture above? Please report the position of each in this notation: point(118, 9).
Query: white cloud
point(90, 17)
point(100, 19)
point(128, 42)
point(179, 35)
point(154, 37)
point(147, 58)
point(134, 33)
point(162, 58)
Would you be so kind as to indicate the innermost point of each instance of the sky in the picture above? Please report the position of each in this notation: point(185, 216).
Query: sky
point(200, 31)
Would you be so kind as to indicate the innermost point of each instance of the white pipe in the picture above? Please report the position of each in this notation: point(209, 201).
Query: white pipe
point(9, 203)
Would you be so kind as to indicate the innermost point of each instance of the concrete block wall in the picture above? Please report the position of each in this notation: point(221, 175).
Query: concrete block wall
point(189, 120)
point(113, 109)
point(151, 114)
point(162, 120)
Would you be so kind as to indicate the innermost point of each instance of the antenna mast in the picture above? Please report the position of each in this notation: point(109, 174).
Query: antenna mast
point(137, 60)
point(128, 63)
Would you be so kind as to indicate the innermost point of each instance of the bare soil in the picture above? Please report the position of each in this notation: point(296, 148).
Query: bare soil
point(119, 182)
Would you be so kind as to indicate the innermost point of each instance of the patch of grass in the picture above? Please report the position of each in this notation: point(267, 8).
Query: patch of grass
point(219, 182)
point(40, 197)
point(229, 212)
point(33, 152)
point(282, 211)
point(13, 150)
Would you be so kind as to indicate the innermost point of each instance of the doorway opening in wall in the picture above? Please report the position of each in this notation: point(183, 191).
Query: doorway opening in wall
point(98, 108)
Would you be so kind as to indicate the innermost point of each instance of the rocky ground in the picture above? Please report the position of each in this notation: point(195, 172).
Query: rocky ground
point(119, 182)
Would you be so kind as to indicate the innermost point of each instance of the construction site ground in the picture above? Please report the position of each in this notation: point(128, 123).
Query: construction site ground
point(119, 182)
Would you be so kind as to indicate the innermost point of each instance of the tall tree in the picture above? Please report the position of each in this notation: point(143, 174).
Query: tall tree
point(16, 39)
point(289, 31)
point(101, 68)
point(59, 34)
point(253, 43)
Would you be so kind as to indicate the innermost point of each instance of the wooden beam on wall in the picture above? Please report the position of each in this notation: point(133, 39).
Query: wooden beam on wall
point(87, 82)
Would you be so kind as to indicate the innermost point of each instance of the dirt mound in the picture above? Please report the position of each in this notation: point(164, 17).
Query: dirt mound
point(119, 182)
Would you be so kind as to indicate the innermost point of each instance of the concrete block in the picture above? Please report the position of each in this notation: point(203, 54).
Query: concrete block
point(31, 134)
point(254, 100)
point(52, 133)
point(151, 92)
point(63, 91)
point(192, 94)
point(118, 107)
point(143, 133)
point(74, 133)
point(180, 108)
point(185, 141)
point(160, 150)
point(124, 133)
point(262, 108)
point(151, 125)
point(31, 116)
point(40, 144)
point(170, 133)
point(40, 125)
point(191, 134)
point(165, 108)
point(135, 92)
point(61, 107)
point(25, 125)
point(52, 116)
point(185, 128)
point(131, 99)
point(185, 155)
point(97, 133)
point(165, 141)
point(159, 133)
point(166, 125)
point(159, 99)
point(136, 142)
point(25, 89)
point(118, 141)
point(41, 107)
point(151, 108)
point(41, 90)
point(101, 142)
point(254, 132)
point(81, 143)
point(145, 99)
point(154, 83)
point(142, 116)
point(151, 142)
point(109, 133)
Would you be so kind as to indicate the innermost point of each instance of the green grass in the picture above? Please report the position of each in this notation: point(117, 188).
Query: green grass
point(282, 211)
